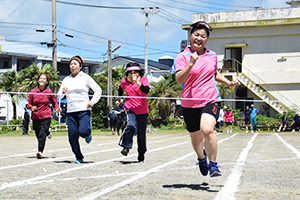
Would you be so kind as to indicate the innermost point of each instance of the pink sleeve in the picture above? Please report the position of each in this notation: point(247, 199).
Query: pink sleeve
point(144, 81)
point(123, 83)
point(180, 63)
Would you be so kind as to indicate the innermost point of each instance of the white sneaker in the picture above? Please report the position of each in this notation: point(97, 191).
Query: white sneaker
point(246, 131)
point(227, 131)
point(278, 130)
point(251, 131)
point(293, 131)
point(50, 135)
point(39, 155)
point(230, 131)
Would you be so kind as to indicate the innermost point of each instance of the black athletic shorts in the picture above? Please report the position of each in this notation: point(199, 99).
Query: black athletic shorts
point(247, 121)
point(192, 116)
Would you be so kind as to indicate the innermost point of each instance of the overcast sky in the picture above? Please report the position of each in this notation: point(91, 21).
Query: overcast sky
point(92, 27)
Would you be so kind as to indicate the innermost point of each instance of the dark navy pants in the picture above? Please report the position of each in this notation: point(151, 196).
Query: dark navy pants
point(79, 124)
point(25, 126)
point(136, 125)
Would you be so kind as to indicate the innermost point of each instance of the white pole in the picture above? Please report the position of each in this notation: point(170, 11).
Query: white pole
point(146, 44)
point(7, 110)
point(59, 114)
point(146, 12)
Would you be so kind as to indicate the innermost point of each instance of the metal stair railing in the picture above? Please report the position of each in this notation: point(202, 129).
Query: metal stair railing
point(266, 88)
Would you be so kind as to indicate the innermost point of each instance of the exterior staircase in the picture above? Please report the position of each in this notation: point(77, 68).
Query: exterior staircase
point(263, 90)
point(264, 95)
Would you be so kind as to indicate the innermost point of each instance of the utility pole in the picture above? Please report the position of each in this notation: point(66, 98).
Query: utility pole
point(147, 12)
point(54, 42)
point(109, 80)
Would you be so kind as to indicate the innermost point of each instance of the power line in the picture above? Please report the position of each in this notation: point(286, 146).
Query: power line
point(169, 19)
point(17, 27)
point(97, 41)
point(111, 39)
point(94, 6)
point(2, 22)
point(174, 17)
point(232, 5)
point(17, 7)
point(202, 6)
point(180, 8)
point(73, 47)
point(26, 42)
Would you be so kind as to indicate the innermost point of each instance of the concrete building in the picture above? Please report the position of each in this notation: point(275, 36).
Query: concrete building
point(16, 56)
point(261, 48)
point(155, 69)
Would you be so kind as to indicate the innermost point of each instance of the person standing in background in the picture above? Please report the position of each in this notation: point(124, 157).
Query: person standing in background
point(113, 119)
point(26, 119)
point(247, 114)
point(228, 119)
point(220, 122)
point(120, 110)
point(254, 112)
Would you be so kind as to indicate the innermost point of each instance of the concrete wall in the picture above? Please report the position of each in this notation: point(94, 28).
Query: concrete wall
point(266, 54)
point(247, 15)
point(272, 37)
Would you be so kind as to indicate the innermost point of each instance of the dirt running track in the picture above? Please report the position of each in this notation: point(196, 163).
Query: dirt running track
point(254, 166)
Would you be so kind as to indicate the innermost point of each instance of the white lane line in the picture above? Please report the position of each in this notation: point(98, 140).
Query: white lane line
point(134, 178)
point(83, 146)
point(25, 182)
point(219, 142)
point(141, 175)
point(56, 150)
point(135, 173)
point(293, 149)
point(72, 156)
point(54, 159)
point(233, 180)
point(89, 177)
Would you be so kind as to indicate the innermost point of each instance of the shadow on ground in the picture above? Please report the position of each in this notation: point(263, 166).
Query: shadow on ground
point(128, 162)
point(72, 162)
point(203, 186)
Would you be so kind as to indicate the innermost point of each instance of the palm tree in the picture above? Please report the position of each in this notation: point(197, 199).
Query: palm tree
point(8, 83)
point(166, 87)
point(26, 80)
point(29, 75)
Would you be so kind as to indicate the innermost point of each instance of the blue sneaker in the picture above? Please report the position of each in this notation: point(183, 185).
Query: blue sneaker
point(78, 161)
point(88, 139)
point(203, 166)
point(214, 169)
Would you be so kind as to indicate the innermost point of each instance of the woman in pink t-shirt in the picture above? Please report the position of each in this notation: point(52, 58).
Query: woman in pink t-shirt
point(196, 69)
point(135, 85)
point(228, 119)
